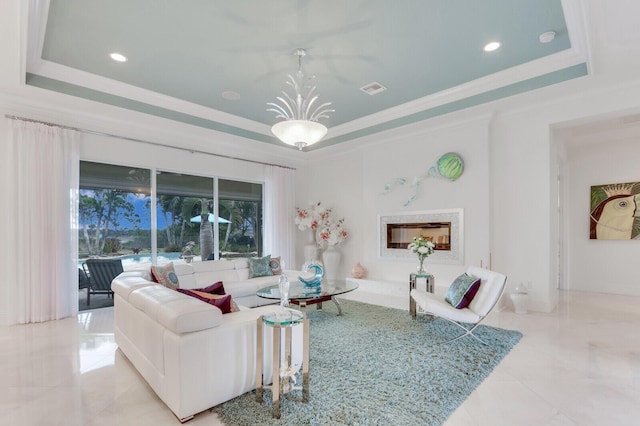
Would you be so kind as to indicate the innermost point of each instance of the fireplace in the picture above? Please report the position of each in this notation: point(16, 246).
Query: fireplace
point(400, 235)
point(442, 227)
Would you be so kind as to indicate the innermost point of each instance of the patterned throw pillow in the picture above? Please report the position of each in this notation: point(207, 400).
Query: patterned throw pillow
point(260, 267)
point(166, 275)
point(276, 266)
point(224, 302)
point(462, 291)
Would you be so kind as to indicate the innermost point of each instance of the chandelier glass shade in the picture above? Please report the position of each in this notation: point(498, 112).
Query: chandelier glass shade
point(299, 133)
point(300, 127)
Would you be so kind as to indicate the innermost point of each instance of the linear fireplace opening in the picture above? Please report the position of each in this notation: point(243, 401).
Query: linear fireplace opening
point(400, 235)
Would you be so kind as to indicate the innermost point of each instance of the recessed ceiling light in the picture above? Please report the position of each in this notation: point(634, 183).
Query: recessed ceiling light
point(230, 95)
point(118, 57)
point(490, 47)
point(547, 37)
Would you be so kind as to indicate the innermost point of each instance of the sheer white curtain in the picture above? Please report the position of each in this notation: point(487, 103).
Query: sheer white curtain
point(279, 213)
point(41, 170)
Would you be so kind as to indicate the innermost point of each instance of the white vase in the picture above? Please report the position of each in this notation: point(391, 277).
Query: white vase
point(311, 248)
point(332, 258)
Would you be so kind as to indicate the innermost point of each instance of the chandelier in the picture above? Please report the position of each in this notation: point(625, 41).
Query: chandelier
point(300, 127)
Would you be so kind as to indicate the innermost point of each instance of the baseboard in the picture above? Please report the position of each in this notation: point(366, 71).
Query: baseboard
point(393, 294)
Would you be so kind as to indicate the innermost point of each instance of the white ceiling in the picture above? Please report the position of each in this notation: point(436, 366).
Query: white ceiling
point(184, 55)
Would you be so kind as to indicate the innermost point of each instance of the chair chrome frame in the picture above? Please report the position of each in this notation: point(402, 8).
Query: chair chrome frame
point(469, 331)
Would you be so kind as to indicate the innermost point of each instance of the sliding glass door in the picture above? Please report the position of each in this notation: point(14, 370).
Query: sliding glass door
point(241, 212)
point(185, 215)
point(114, 211)
point(196, 217)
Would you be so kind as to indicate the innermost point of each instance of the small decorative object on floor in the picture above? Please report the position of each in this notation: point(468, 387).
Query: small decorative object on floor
point(316, 279)
point(423, 248)
point(358, 271)
point(520, 299)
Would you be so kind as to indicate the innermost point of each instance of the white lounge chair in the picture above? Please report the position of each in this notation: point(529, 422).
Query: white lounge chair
point(491, 289)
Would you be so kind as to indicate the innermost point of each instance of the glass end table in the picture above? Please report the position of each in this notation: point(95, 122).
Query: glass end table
point(282, 320)
point(413, 279)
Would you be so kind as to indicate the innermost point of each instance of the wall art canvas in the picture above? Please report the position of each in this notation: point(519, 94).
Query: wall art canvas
point(615, 212)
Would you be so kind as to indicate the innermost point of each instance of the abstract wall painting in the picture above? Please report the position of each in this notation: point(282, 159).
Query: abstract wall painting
point(615, 212)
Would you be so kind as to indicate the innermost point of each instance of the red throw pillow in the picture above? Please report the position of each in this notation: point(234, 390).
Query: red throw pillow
point(217, 288)
point(223, 302)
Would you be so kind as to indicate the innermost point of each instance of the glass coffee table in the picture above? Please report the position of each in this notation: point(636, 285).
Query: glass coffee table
point(304, 296)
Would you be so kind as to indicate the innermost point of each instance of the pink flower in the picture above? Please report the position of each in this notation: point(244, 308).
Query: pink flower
point(329, 232)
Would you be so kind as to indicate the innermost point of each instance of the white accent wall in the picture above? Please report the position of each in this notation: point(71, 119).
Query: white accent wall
point(508, 191)
point(597, 159)
point(352, 183)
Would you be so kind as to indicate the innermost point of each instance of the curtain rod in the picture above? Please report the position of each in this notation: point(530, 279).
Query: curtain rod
point(110, 135)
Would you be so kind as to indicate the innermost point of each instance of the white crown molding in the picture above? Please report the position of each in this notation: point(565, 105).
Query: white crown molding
point(101, 84)
point(575, 15)
point(37, 23)
point(548, 64)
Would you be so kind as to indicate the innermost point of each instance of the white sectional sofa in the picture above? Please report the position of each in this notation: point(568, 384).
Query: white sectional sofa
point(192, 355)
point(233, 273)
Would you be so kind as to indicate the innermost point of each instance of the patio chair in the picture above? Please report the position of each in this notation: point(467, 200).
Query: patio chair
point(492, 286)
point(101, 272)
point(84, 282)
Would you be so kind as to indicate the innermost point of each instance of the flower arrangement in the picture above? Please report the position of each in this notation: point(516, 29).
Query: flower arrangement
point(311, 217)
point(328, 231)
point(423, 248)
point(332, 233)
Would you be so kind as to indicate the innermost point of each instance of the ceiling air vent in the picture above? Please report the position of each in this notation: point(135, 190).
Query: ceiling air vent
point(373, 88)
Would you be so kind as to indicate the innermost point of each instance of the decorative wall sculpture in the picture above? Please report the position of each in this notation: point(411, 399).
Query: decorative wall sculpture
point(450, 166)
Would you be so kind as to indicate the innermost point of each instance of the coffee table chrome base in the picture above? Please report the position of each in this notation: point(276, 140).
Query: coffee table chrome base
point(318, 302)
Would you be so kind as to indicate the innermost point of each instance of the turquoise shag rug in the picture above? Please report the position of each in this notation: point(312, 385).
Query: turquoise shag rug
point(375, 366)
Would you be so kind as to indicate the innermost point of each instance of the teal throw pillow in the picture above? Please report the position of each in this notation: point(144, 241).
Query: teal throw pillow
point(462, 291)
point(260, 267)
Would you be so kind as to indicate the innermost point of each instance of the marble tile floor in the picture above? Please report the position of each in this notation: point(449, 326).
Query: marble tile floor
point(579, 365)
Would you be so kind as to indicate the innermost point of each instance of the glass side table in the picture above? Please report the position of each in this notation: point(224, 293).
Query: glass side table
point(282, 320)
point(413, 279)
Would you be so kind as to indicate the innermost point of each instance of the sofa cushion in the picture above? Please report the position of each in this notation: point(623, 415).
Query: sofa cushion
point(123, 286)
point(212, 265)
point(201, 274)
point(166, 275)
point(260, 267)
point(177, 312)
point(244, 288)
point(462, 291)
